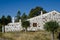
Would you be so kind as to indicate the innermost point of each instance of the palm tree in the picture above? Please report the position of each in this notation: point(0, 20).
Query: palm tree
point(51, 26)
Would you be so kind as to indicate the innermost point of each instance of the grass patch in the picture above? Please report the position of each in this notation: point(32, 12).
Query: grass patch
point(40, 35)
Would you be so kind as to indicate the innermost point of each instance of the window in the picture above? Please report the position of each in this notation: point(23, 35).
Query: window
point(34, 24)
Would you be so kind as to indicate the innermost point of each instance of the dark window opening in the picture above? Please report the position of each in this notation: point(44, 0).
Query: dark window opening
point(34, 24)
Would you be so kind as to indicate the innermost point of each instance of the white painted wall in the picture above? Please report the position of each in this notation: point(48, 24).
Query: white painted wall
point(11, 27)
point(40, 20)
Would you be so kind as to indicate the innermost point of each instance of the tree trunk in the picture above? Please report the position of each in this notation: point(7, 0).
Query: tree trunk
point(25, 29)
point(52, 36)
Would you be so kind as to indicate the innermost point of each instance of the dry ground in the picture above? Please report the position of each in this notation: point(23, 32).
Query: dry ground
point(40, 35)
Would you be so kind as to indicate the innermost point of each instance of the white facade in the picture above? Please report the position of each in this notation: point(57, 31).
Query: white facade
point(40, 20)
point(36, 23)
point(14, 26)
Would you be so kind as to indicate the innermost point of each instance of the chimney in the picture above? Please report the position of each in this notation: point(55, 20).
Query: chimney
point(13, 20)
point(41, 14)
point(19, 20)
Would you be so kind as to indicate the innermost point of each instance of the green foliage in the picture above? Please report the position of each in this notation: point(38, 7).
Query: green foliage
point(25, 24)
point(51, 26)
point(3, 20)
point(9, 19)
point(36, 11)
point(24, 17)
point(18, 16)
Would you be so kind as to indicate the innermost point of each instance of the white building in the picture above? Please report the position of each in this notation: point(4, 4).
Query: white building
point(36, 23)
point(14, 26)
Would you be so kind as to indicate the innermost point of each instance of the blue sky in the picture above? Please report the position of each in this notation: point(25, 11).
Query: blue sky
point(10, 7)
